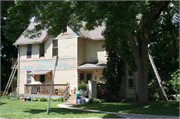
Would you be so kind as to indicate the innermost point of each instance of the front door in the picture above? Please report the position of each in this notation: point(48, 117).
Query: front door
point(89, 76)
point(85, 76)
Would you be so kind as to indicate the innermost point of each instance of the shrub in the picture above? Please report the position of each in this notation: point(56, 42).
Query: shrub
point(82, 85)
point(60, 99)
point(95, 100)
point(6, 97)
point(34, 99)
point(42, 99)
point(53, 99)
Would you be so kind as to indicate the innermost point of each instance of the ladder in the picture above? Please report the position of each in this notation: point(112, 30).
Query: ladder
point(157, 75)
point(10, 78)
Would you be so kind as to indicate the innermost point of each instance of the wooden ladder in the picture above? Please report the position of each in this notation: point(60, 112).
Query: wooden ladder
point(10, 78)
point(157, 75)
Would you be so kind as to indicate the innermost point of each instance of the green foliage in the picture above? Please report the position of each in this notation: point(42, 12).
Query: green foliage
point(60, 99)
point(114, 72)
point(95, 100)
point(34, 99)
point(42, 99)
point(172, 85)
point(82, 85)
point(6, 97)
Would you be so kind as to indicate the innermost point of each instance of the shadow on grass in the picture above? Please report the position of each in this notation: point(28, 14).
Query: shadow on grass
point(66, 112)
point(155, 107)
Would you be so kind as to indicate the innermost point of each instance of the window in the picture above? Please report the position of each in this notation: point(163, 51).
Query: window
point(130, 78)
point(28, 77)
point(29, 50)
point(42, 79)
point(41, 50)
point(55, 47)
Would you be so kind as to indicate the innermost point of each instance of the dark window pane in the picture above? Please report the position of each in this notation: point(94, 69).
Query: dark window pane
point(81, 76)
point(55, 52)
point(42, 46)
point(131, 82)
point(42, 79)
point(55, 43)
point(89, 76)
point(41, 53)
point(28, 54)
point(29, 47)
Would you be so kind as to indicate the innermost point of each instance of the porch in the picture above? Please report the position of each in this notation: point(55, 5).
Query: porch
point(43, 90)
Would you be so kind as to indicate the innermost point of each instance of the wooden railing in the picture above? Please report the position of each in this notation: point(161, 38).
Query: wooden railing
point(66, 92)
point(44, 89)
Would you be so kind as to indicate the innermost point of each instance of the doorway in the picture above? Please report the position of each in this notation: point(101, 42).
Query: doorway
point(85, 76)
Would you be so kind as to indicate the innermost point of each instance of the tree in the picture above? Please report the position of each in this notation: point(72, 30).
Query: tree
point(132, 20)
point(114, 72)
point(129, 23)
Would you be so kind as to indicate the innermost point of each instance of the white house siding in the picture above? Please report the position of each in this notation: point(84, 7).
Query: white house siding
point(22, 81)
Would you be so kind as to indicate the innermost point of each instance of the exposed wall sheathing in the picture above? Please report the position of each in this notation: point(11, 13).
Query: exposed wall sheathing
point(94, 51)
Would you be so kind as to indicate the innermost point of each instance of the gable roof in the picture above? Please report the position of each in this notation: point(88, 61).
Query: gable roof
point(26, 40)
point(92, 34)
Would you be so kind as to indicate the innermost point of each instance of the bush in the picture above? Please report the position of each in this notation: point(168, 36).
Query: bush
point(60, 99)
point(6, 97)
point(42, 99)
point(34, 99)
point(82, 85)
point(95, 100)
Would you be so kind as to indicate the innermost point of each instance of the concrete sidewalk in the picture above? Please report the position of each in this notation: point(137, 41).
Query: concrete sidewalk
point(122, 115)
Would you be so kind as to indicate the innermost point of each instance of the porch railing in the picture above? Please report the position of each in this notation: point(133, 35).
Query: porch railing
point(66, 92)
point(44, 89)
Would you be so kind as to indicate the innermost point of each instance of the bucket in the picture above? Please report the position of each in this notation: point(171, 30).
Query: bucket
point(78, 101)
point(77, 95)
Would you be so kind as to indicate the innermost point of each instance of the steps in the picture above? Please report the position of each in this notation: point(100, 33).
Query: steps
point(71, 99)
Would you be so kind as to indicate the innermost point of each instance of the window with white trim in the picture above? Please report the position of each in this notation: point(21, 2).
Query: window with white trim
point(29, 50)
point(28, 80)
point(41, 50)
point(55, 47)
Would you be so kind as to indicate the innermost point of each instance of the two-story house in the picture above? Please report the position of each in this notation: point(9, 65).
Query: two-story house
point(80, 56)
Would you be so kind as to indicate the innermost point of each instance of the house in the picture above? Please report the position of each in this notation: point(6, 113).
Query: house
point(80, 56)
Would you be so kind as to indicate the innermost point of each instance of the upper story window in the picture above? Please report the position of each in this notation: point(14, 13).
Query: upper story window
point(29, 50)
point(55, 47)
point(41, 50)
point(131, 79)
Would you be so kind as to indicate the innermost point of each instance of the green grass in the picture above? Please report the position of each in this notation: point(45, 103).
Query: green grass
point(155, 107)
point(19, 109)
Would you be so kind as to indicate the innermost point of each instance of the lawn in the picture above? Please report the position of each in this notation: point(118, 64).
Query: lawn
point(155, 107)
point(19, 109)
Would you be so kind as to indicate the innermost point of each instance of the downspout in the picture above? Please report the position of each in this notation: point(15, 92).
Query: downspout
point(18, 72)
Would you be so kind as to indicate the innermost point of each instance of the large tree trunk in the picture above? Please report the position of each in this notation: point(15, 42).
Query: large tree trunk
point(142, 66)
point(141, 59)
